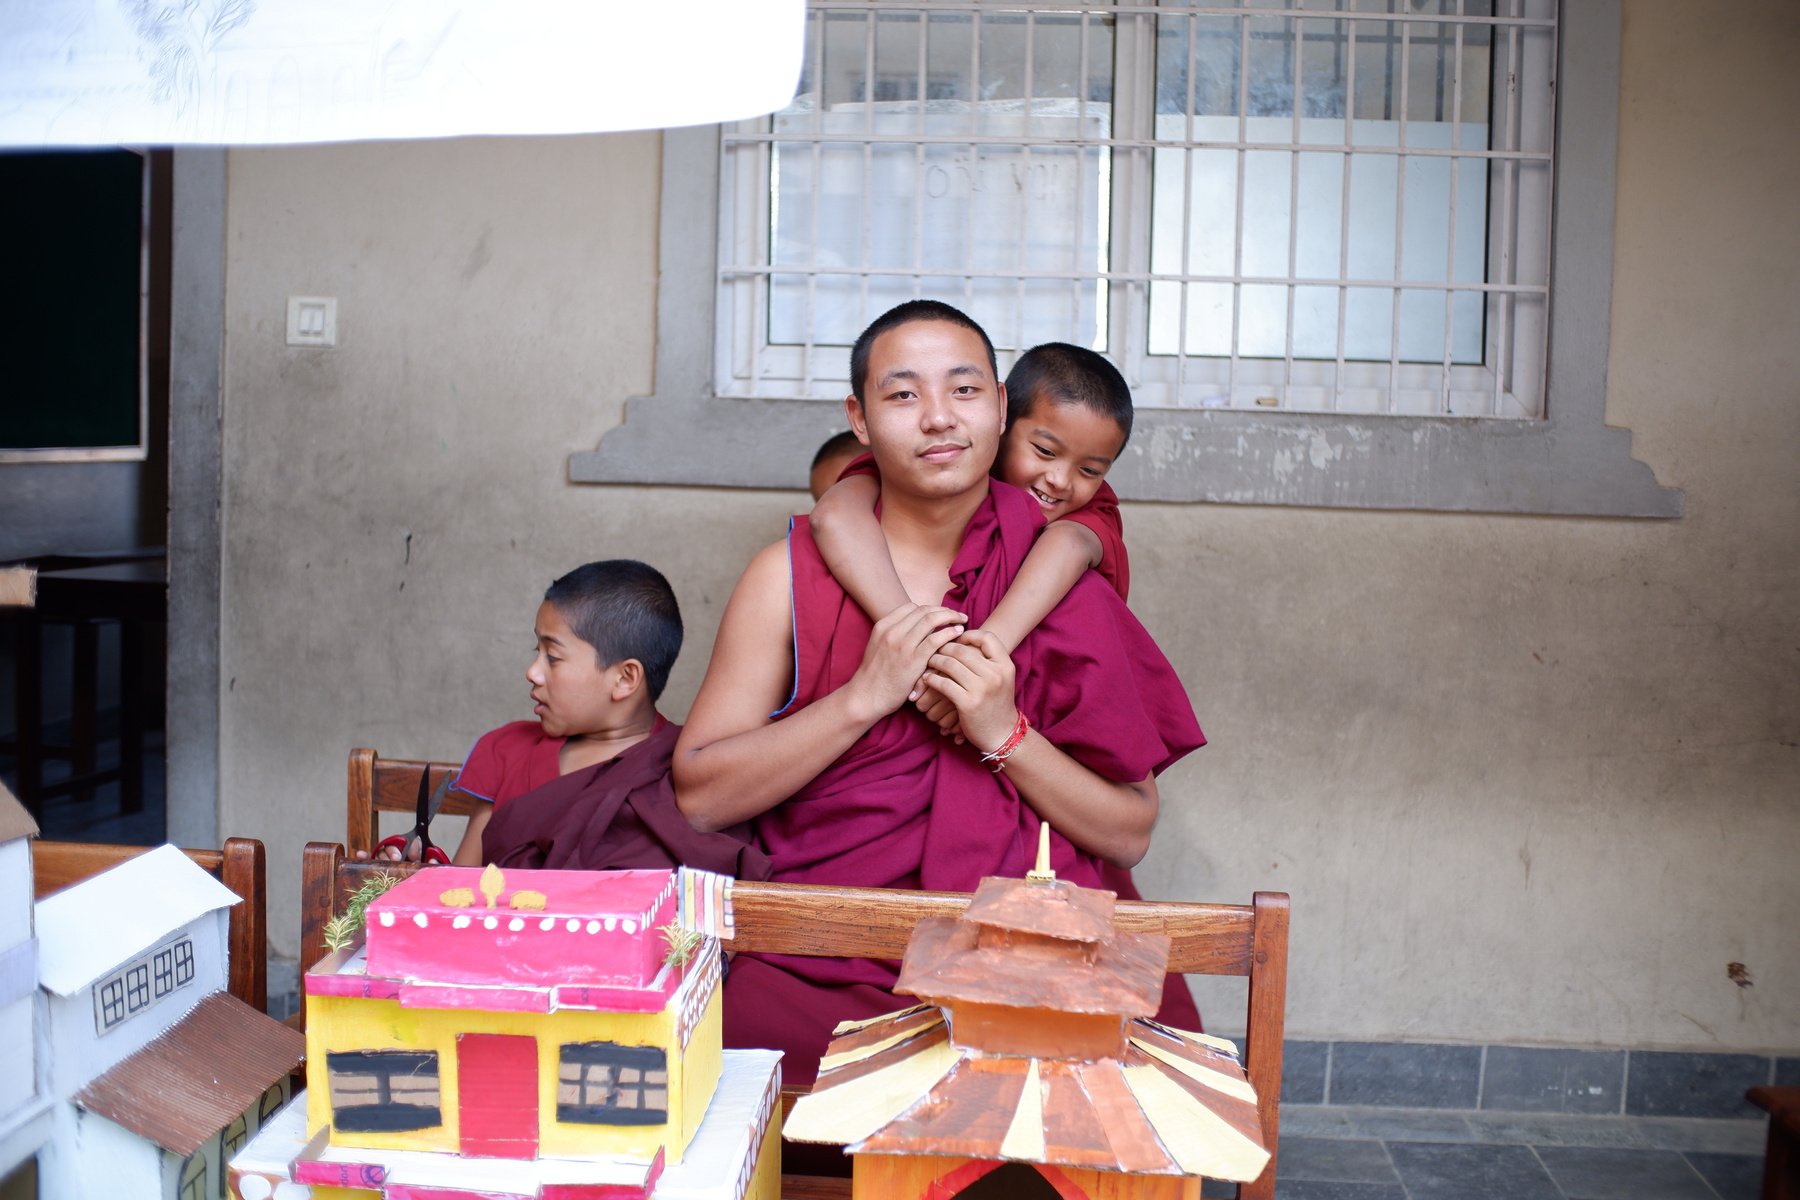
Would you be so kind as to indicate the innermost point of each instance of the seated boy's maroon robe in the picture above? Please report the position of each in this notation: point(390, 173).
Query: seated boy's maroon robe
point(907, 808)
point(614, 816)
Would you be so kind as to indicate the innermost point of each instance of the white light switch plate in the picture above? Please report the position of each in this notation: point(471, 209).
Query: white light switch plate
point(312, 321)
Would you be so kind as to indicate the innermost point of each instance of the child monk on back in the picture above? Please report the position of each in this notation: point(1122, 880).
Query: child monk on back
point(1068, 415)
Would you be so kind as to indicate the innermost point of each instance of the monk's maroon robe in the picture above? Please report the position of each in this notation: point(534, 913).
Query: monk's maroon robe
point(908, 808)
point(616, 815)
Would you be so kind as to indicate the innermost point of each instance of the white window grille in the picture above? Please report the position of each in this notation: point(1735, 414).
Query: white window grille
point(1334, 206)
point(1197, 438)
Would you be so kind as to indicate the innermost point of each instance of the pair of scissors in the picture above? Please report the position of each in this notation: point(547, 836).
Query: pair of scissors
point(421, 830)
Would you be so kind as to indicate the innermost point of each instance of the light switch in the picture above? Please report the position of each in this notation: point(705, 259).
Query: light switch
point(312, 321)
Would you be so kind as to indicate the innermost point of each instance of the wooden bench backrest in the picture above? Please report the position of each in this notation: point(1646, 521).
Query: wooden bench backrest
point(1246, 940)
point(240, 866)
point(378, 785)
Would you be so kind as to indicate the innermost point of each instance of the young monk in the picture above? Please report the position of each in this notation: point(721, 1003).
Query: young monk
point(586, 785)
point(802, 724)
point(1068, 415)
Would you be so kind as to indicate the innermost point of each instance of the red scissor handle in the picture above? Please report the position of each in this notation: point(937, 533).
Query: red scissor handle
point(431, 854)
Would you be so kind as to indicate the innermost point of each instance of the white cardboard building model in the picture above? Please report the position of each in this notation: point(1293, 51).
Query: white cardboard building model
point(24, 1106)
point(155, 1074)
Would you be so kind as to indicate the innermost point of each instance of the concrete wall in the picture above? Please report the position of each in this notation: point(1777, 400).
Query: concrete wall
point(1528, 780)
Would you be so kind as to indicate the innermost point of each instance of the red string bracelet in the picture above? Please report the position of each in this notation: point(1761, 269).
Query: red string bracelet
point(999, 754)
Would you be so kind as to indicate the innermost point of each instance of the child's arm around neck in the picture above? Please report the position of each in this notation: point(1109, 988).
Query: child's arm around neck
point(850, 540)
point(1064, 552)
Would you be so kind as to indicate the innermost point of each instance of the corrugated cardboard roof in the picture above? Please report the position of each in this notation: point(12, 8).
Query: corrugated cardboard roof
point(86, 930)
point(15, 822)
point(196, 1076)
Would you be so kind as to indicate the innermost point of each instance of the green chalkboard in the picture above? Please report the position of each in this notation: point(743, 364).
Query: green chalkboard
point(71, 309)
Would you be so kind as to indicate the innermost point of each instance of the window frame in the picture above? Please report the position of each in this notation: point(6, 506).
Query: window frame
point(615, 1057)
point(382, 1113)
point(1569, 462)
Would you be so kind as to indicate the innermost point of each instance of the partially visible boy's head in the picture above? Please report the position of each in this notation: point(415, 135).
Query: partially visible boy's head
point(1068, 418)
point(608, 633)
point(833, 456)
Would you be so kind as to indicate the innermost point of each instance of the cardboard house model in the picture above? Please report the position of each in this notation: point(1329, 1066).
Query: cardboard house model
point(551, 1034)
point(157, 1074)
point(24, 1105)
point(1032, 1069)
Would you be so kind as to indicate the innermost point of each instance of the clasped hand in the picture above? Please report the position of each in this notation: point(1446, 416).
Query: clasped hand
point(967, 689)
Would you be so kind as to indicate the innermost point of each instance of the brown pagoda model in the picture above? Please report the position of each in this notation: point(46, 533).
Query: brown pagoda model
point(1032, 1068)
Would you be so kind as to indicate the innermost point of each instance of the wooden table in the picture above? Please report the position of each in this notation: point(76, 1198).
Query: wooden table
point(135, 593)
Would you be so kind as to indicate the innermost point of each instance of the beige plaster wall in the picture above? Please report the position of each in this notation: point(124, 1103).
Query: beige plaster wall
point(1528, 780)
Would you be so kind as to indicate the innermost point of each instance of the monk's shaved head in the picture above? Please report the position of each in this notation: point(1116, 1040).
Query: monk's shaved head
point(906, 314)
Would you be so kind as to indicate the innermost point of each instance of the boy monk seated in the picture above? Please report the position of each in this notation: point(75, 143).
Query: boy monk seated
point(586, 786)
point(1068, 416)
point(802, 724)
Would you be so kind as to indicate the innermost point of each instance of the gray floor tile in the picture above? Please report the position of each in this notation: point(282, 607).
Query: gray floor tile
point(1425, 1075)
point(1440, 1172)
point(1710, 1137)
point(1590, 1173)
point(1528, 1129)
point(1666, 1083)
point(1313, 1189)
point(1732, 1176)
point(1787, 1072)
point(1307, 1121)
point(1303, 1072)
point(1334, 1160)
point(1409, 1125)
point(1523, 1079)
point(1218, 1189)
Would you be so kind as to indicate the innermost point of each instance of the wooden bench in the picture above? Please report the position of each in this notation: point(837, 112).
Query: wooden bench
point(1245, 940)
point(240, 866)
point(378, 785)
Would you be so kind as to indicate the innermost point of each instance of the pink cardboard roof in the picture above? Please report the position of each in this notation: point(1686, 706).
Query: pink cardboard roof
point(469, 927)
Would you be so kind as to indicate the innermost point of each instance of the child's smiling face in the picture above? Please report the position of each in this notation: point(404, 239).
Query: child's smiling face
point(1060, 453)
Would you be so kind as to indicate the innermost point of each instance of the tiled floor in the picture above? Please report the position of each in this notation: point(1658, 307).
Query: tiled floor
point(1354, 1153)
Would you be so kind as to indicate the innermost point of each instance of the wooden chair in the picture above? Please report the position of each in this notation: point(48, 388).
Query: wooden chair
point(240, 866)
point(1781, 1156)
point(1246, 940)
point(379, 785)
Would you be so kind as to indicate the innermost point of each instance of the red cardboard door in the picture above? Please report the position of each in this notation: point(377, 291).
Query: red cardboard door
point(497, 1095)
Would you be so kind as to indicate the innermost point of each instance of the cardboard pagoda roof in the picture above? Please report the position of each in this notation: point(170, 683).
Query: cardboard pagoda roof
point(1154, 1101)
point(190, 1080)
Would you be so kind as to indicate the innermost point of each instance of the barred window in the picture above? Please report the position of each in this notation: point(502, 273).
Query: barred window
point(384, 1091)
point(112, 1002)
point(1316, 235)
point(269, 1105)
point(137, 987)
point(184, 962)
point(235, 1134)
point(193, 1177)
point(1309, 205)
point(604, 1083)
point(141, 983)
